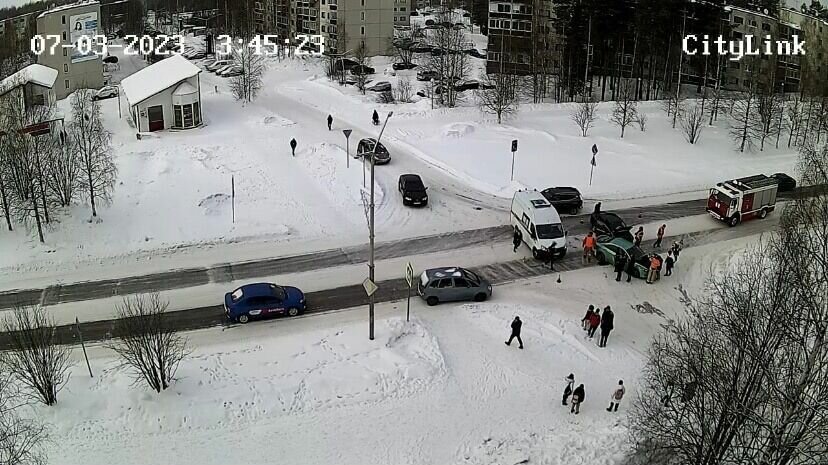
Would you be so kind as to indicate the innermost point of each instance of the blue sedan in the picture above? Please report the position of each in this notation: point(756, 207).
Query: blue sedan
point(263, 300)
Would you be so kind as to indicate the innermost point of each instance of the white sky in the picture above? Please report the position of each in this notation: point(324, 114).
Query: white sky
point(8, 3)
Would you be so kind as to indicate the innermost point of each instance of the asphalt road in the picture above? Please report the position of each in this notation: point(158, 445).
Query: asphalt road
point(353, 296)
point(227, 272)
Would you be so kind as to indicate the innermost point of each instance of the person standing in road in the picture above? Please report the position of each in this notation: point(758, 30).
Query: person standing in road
point(577, 398)
point(375, 118)
point(594, 322)
point(668, 264)
point(676, 249)
point(293, 147)
point(589, 248)
point(620, 265)
point(517, 239)
point(659, 236)
point(607, 325)
point(570, 381)
point(516, 325)
point(653, 269)
point(639, 236)
point(585, 320)
point(617, 395)
point(330, 122)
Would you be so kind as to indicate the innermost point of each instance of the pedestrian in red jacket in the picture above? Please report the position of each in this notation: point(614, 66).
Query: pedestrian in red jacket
point(594, 322)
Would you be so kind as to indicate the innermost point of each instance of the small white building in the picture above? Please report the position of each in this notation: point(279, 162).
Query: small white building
point(164, 95)
point(33, 85)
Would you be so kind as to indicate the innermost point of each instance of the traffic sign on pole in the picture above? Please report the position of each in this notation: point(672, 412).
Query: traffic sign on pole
point(369, 286)
point(347, 133)
point(514, 149)
point(514, 145)
point(409, 274)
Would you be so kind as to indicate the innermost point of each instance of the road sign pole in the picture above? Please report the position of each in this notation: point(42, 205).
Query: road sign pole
point(409, 277)
point(590, 174)
point(514, 150)
point(80, 337)
point(233, 196)
point(347, 133)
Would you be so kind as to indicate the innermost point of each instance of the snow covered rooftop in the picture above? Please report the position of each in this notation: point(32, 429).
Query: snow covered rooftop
point(32, 74)
point(185, 89)
point(157, 77)
point(69, 7)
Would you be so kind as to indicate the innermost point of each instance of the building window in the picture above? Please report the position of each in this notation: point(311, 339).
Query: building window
point(766, 27)
point(362, 16)
point(63, 19)
point(362, 3)
point(64, 35)
point(65, 68)
point(362, 30)
point(65, 52)
point(66, 83)
point(187, 116)
point(738, 20)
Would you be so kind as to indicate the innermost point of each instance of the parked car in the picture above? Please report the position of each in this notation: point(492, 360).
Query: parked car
point(421, 48)
point(564, 199)
point(362, 69)
point(105, 93)
point(452, 284)
point(367, 146)
point(412, 190)
point(197, 55)
point(475, 53)
point(345, 63)
point(381, 86)
point(231, 71)
point(610, 225)
point(218, 71)
point(427, 75)
point(399, 66)
point(471, 84)
point(218, 64)
point(786, 183)
point(608, 249)
point(263, 300)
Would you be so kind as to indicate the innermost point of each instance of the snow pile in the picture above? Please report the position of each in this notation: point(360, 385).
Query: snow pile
point(276, 120)
point(215, 204)
point(458, 130)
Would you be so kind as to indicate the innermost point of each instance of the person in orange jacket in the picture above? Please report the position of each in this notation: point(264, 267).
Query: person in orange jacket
point(654, 264)
point(589, 247)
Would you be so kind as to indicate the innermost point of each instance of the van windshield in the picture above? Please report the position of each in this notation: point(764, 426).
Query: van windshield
point(549, 231)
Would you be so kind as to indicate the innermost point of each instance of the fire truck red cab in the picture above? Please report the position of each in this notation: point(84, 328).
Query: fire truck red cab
point(743, 199)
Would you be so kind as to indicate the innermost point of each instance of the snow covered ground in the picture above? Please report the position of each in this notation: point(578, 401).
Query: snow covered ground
point(440, 389)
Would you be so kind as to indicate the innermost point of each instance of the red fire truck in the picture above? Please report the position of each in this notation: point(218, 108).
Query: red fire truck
point(743, 199)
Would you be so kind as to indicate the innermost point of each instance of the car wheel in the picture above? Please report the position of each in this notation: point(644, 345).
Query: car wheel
point(602, 259)
point(733, 221)
point(575, 210)
point(480, 297)
point(763, 213)
point(244, 318)
point(535, 252)
point(432, 301)
point(293, 311)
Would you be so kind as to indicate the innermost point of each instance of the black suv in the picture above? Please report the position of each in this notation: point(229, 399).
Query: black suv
point(786, 183)
point(564, 199)
point(610, 225)
point(413, 191)
point(366, 146)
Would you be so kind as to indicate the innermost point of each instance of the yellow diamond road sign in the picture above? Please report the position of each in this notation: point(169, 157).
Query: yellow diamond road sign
point(369, 286)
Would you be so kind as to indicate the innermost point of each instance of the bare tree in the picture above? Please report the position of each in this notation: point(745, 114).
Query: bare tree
point(767, 115)
point(641, 120)
point(146, 343)
point(246, 86)
point(498, 94)
point(742, 128)
point(402, 45)
point(584, 116)
point(63, 176)
point(793, 117)
point(692, 120)
point(21, 439)
point(93, 143)
point(448, 60)
point(35, 358)
point(360, 71)
point(626, 106)
point(403, 90)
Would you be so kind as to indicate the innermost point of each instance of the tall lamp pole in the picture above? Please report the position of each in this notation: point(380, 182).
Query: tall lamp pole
point(371, 233)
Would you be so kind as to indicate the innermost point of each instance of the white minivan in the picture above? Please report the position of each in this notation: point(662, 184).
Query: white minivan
point(539, 223)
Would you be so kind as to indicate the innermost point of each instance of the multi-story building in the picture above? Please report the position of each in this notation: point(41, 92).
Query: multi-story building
point(74, 24)
point(510, 28)
point(347, 23)
point(402, 12)
point(16, 32)
point(753, 72)
point(813, 74)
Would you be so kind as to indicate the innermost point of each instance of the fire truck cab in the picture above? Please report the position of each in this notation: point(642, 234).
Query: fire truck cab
point(743, 199)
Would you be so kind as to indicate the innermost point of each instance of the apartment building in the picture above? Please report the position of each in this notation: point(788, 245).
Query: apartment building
point(72, 23)
point(402, 12)
point(814, 65)
point(510, 26)
point(16, 32)
point(346, 23)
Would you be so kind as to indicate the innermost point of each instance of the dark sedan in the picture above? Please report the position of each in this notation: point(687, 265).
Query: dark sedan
point(401, 66)
point(564, 199)
point(412, 190)
point(366, 146)
point(785, 182)
point(610, 225)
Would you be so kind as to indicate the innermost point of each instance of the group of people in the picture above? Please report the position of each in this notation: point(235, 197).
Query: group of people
point(578, 393)
point(595, 319)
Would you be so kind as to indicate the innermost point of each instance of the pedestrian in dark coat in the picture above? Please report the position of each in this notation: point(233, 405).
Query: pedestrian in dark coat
point(330, 122)
point(585, 320)
point(659, 236)
point(516, 325)
point(617, 395)
point(517, 239)
point(375, 118)
point(676, 249)
point(594, 322)
point(668, 264)
point(639, 236)
point(607, 325)
point(630, 269)
point(570, 381)
point(577, 398)
point(293, 147)
point(620, 265)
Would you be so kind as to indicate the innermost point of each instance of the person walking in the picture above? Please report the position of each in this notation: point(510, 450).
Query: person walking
point(617, 395)
point(330, 122)
point(630, 269)
point(607, 325)
point(293, 147)
point(639, 236)
point(651, 274)
point(594, 322)
point(585, 320)
point(516, 325)
point(577, 398)
point(375, 118)
point(659, 236)
point(620, 265)
point(517, 239)
point(668, 264)
point(589, 247)
point(570, 381)
point(676, 249)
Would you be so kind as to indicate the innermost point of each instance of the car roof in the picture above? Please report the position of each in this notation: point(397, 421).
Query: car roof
point(410, 177)
point(445, 272)
point(257, 289)
point(568, 190)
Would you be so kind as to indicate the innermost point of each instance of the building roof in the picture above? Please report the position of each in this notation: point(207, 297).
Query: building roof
point(157, 77)
point(69, 7)
point(32, 74)
point(185, 89)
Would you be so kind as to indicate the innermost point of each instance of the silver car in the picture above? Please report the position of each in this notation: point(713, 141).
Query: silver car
point(452, 284)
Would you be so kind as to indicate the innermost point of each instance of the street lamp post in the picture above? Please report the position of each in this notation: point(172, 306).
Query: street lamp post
point(371, 233)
